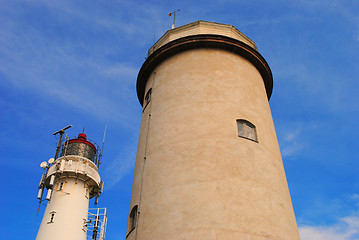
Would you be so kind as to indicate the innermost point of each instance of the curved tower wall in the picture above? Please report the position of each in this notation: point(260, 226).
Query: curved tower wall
point(69, 207)
point(195, 178)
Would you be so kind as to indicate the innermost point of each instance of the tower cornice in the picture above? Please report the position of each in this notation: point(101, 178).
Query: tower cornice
point(203, 41)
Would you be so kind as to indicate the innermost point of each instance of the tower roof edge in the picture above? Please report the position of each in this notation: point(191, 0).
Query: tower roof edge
point(202, 27)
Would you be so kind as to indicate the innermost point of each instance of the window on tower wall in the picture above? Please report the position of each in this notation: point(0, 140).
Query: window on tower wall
point(132, 219)
point(61, 185)
point(148, 97)
point(87, 192)
point(52, 217)
point(247, 130)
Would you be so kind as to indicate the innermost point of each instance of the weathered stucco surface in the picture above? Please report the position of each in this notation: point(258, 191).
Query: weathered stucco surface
point(194, 177)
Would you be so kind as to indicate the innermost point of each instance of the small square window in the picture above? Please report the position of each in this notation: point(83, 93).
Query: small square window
point(246, 130)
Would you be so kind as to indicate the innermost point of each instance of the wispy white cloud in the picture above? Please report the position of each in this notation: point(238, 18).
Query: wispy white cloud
point(291, 139)
point(141, 21)
point(122, 165)
point(355, 197)
point(346, 228)
point(72, 72)
point(89, 75)
point(291, 143)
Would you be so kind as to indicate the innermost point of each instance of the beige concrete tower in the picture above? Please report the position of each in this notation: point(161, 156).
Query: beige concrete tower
point(208, 162)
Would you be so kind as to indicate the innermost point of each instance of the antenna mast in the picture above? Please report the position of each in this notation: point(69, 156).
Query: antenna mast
point(174, 17)
point(61, 131)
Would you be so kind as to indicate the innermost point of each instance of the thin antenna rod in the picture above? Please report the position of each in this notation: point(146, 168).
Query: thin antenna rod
point(38, 209)
point(104, 135)
point(174, 17)
point(103, 146)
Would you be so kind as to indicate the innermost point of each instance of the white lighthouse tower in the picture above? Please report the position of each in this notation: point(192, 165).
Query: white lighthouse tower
point(71, 181)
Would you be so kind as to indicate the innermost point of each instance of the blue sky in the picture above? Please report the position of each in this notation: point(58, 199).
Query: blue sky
point(76, 62)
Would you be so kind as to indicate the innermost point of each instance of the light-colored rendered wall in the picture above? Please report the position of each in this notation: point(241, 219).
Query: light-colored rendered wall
point(200, 180)
point(71, 207)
